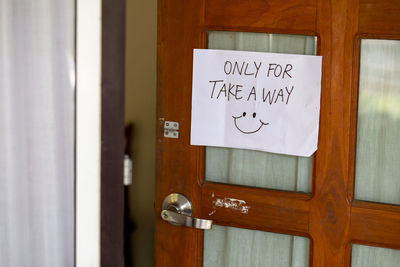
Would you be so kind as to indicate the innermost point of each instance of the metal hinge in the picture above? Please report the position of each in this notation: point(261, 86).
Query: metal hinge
point(127, 170)
point(171, 129)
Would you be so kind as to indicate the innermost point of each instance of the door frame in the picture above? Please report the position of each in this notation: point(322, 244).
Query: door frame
point(100, 64)
point(112, 133)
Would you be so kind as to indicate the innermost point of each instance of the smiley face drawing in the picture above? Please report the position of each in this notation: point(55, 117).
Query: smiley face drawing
point(256, 129)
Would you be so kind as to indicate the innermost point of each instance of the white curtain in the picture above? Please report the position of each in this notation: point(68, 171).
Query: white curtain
point(236, 247)
point(37, 72)
point(378, 143)
point(366, 256)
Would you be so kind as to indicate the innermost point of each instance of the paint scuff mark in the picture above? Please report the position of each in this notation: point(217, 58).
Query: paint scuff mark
point(212, 212)
point(232, 203)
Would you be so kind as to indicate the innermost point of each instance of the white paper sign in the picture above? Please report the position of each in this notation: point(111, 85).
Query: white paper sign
point(260, 101)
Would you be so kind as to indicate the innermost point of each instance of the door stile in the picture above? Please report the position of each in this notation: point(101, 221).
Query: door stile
point(177, 163)
point(330, 208)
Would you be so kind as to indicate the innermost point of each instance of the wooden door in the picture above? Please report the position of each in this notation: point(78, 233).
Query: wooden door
point(329, 215)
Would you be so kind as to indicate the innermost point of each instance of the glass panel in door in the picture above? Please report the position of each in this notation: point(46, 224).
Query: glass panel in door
point(366, 256)
point(253, 168)
point(377, 171)
point(236, 247)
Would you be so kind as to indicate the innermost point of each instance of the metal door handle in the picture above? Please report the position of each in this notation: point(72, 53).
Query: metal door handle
point(179, 219)
point(177, 210)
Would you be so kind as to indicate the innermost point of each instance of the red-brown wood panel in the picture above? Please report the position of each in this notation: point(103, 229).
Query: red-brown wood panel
point(375, 224)
point(178, 33)
point(273, 14)
point(256, 208)
point(379, 16)
point(330, 208)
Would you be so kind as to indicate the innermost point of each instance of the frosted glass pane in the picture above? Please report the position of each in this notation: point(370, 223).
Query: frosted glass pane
point(366, 256)
point(228, 246)
point(253, 168)
point(259, 169)
point(262, 42)
point(377, 175)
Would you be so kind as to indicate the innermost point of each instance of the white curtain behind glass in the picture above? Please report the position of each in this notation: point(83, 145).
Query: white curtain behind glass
point(37, 133)
point(378, 143)
point(236, 247)
point(253, 168)
point(366, 256)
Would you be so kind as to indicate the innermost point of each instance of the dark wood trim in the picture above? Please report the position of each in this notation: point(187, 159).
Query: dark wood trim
point(112, 132)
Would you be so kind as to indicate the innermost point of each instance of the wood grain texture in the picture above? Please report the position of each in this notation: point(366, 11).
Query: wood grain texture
point(375, 224)
point(178, 33)
point(330, 208)
point(379, 16)
point(267, 210)
point(269, 14)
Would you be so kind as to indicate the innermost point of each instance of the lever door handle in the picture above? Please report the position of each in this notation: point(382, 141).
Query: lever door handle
point(180, 219)
point(177, 210)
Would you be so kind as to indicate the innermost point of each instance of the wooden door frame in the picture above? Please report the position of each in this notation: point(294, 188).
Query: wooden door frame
point(329, 216)
point(112, 132)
